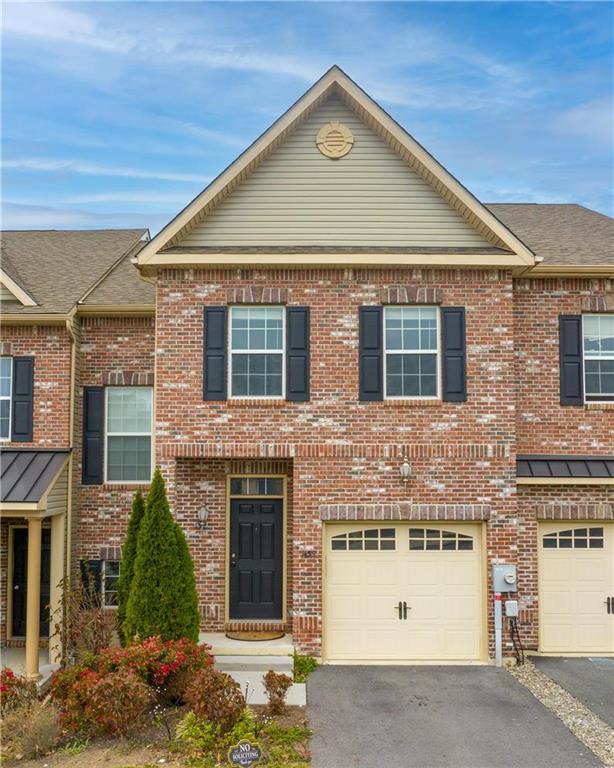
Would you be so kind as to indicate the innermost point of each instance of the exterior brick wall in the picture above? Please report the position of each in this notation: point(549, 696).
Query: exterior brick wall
point(114, 350)
point(544, 426)
point(51, 348)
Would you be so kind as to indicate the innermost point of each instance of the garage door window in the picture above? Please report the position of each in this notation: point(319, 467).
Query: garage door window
point(574, 538)
point(370, 539)
point(432, 539)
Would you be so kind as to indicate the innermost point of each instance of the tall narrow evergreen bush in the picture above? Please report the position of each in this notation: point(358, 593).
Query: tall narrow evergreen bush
point(126, 569)
point(162, 597)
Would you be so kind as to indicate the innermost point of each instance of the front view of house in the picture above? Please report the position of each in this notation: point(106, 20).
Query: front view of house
point(364, 388)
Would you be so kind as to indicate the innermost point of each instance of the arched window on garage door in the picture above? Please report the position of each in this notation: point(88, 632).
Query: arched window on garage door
point(434, 539)
point(369, 539)
point(574, 538)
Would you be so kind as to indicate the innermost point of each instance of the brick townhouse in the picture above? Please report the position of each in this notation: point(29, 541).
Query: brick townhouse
point(364, 388)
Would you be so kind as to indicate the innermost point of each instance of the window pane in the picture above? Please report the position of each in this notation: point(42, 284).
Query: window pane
point(129, 409)
point(411, 375)
point(5, 410)
point(257, 328)
point(599, 377)
point(6, 371)
point(129, 459)
point(256, 375)
point(411, 328)
point(598, 335)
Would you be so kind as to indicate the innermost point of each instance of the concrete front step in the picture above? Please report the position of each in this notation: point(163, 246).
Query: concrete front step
point(261, 664)
point(223, 646)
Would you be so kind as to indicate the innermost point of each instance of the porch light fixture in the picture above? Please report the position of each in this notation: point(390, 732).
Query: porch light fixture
point(203, 516)
point(405, 469)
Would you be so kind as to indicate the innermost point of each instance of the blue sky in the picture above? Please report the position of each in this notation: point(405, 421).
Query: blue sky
point(118, 114)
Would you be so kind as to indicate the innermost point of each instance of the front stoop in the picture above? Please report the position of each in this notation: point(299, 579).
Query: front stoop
point(247, 662)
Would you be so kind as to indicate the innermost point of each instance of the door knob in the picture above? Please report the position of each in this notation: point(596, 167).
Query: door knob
point(233, 560)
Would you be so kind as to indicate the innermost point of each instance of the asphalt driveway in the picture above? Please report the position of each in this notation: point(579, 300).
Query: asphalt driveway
point(426, 717)
point(590, 680)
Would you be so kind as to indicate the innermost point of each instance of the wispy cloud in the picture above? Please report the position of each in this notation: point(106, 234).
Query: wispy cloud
point(19, 216)
point(37, 164)
point(592, 120)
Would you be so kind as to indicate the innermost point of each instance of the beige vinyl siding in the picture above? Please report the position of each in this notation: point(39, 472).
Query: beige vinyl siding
point(6, 294)
point(297, 196)
point(57, 500)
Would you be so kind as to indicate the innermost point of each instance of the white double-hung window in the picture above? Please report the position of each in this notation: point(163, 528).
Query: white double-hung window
point(257, 352)
point(411, 352)
point(598, 342)
point(128, 434)
point(6, 387)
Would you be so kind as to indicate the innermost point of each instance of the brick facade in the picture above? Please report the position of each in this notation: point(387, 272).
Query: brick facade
point(341, 456)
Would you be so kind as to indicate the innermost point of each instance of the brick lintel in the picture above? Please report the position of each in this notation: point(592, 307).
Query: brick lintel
point(404, 511)
point(572, 511)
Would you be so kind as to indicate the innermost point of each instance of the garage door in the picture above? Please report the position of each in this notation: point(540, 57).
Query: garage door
point(402, 592)
point(576, 578)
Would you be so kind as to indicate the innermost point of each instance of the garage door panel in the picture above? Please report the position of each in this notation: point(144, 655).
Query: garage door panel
point(441, 586)
point(574, 581)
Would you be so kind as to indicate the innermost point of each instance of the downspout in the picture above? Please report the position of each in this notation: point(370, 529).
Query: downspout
point(71, 441)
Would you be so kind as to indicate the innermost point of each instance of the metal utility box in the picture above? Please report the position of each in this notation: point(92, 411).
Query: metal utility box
point(504, 578)
point(511, 609)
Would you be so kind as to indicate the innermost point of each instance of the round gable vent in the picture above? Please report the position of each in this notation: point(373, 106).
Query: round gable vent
point(334, 140)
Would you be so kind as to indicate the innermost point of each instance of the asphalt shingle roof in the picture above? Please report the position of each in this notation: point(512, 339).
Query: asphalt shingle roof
point(563, 234)
point(57, 267)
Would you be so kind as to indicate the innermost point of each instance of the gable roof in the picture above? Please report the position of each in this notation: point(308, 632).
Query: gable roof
point(561, 234)
point(159, 251)
point(59, 267)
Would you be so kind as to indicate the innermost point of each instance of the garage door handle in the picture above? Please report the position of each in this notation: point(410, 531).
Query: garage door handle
point(609, 604)
point(398, 607)
point(405, 609)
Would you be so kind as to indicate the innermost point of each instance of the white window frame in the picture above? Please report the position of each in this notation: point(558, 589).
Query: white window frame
point(585, 357)
point(281, 352)
point(103, 581)
point(437, 395)
point(108, 434)
point(8, 397)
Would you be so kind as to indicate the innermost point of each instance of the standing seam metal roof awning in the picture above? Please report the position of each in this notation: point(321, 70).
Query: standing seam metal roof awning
point(25, 475)
point(587, 467)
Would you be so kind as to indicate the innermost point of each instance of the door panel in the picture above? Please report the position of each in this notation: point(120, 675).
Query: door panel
point(442, 589)
point(20, 581)
point(574, 583)
point(256, 559)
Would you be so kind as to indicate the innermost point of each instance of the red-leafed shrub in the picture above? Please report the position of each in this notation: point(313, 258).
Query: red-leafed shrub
point(15, 690)
point(216, 697)
point(276, 686)
point(115, 704)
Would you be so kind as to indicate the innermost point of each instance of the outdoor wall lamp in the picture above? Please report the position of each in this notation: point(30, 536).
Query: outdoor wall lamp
point(405, 469)
point(203, 516)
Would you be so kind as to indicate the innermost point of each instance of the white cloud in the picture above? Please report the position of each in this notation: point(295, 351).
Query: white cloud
point(19, 216)
point(97, 169)
point(592, 120)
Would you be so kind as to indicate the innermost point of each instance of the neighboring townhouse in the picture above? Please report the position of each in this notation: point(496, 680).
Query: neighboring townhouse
point(368, 389)
point(73, 312)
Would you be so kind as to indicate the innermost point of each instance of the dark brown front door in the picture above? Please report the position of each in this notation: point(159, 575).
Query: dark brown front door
point(256, 558)
point(20, 580)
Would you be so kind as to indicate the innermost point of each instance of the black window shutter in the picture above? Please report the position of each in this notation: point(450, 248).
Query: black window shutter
point(91, 577)
point(93, 435)
point(22, 405)
point(454, 354)
point(297, 353)
point(570, 355)
point(214, 353)
point(370, 335)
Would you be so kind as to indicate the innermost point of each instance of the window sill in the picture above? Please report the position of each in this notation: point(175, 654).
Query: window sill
point(413, 403)
point(599, 406)
point(256, 402)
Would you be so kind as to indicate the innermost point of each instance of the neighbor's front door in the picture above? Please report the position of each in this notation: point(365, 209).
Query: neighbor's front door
point(256, 558)
point(20, 581)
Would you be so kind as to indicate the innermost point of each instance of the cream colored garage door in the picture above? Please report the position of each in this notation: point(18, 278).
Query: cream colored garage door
point(435, 570)
point(576, 577)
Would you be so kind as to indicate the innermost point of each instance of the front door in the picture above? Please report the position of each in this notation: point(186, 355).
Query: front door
point(256, 558)
point(20, 581)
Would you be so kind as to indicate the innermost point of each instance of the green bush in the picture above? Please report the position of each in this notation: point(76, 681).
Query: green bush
point(303, 667)
point(162, 599)
point(216, 697)
point(199, 734)
point(126, 570)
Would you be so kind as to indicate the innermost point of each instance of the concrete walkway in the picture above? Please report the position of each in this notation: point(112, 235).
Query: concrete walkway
point(430, 717)
point(590, 680)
